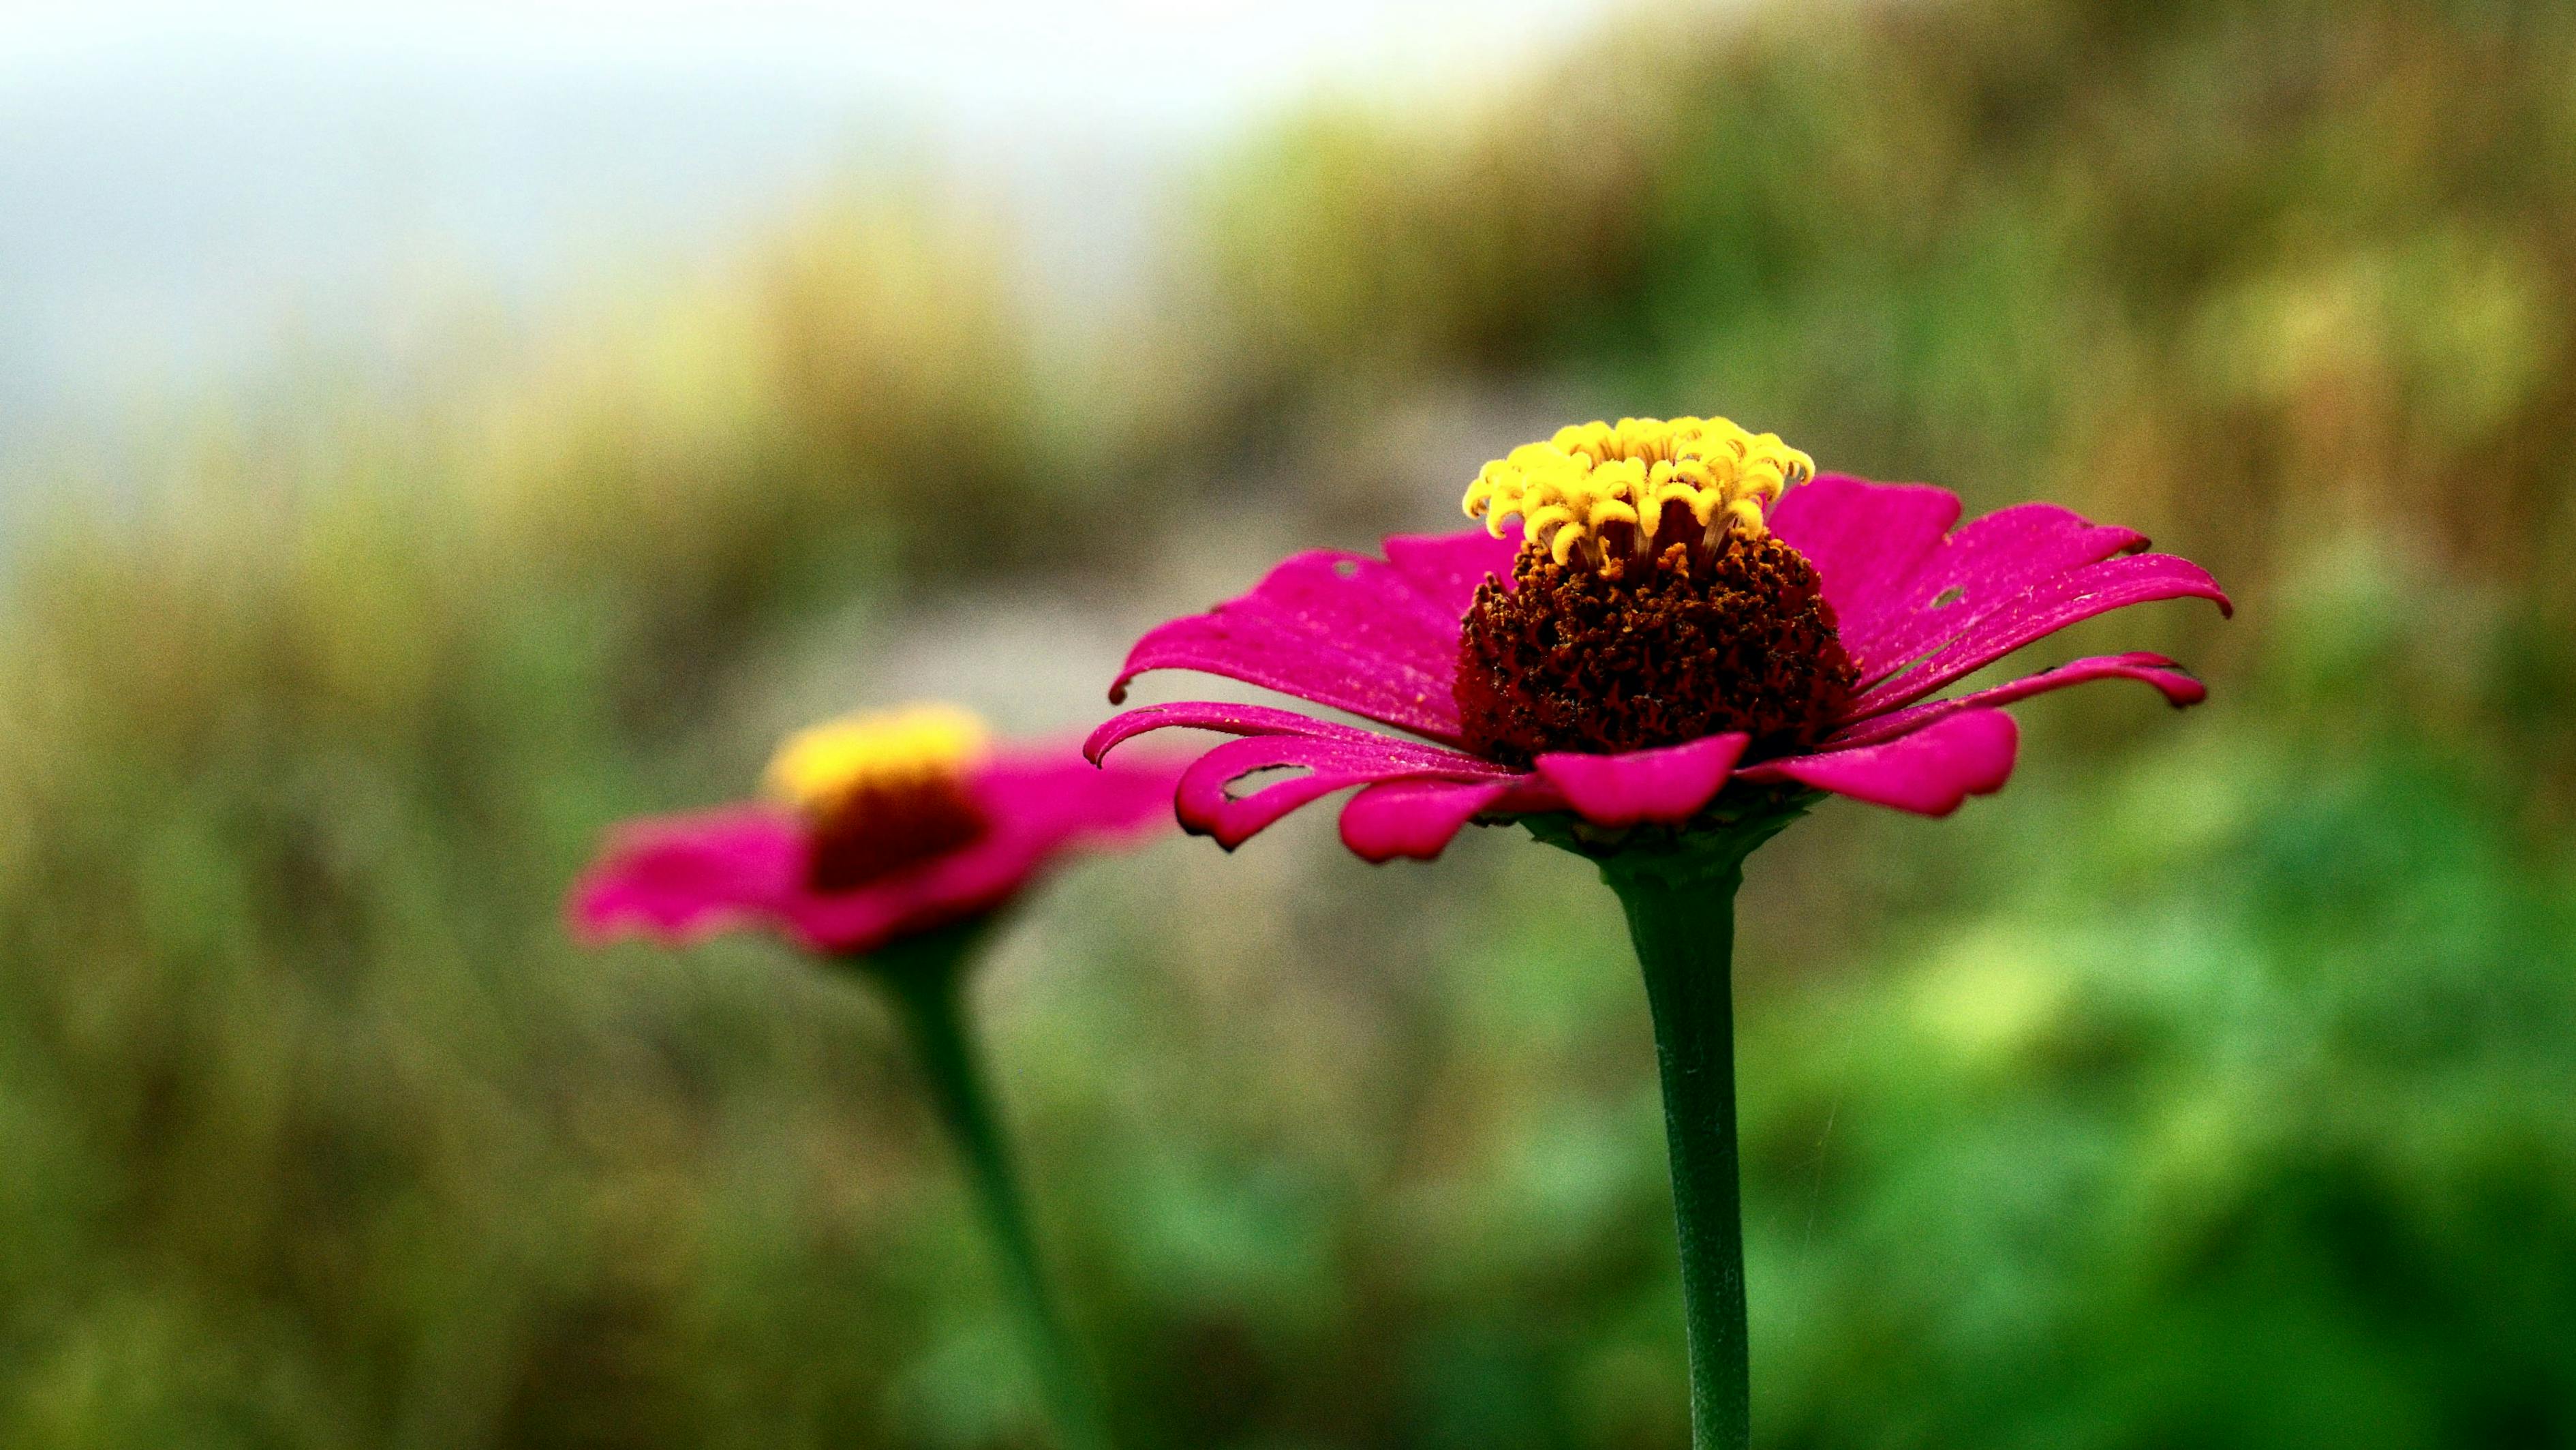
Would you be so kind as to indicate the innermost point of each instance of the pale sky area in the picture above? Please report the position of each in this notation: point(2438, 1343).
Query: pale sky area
point(1154, 64)
point(185, 187)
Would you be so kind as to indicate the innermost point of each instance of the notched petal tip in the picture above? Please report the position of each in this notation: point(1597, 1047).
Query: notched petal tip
point(2182, 689)
point(1205, 831)
point(1104, 738)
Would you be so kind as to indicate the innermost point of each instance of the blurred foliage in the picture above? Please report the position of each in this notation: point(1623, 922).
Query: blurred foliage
point(2209, 1091)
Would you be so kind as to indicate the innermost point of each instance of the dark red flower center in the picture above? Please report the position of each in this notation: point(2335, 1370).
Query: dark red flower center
point(881, 793)
point(1699, 639)
point(875, 831)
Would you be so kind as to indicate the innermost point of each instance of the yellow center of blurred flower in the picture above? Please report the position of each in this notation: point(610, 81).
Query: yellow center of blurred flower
point(1600, 493)
point(879, 792)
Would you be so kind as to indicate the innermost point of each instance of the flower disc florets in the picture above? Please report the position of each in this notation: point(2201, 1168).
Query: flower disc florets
point(881, 792)
point(1650, 604)
point(1596, 493)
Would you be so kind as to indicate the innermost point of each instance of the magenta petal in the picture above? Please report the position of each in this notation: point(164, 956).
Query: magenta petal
point(1208, 805)
point(1928, 772)
point(1414, 817)
point(2178, 688)
point(2040, 610)
point(1053, 796)
point(1865, 539)
point(1446, 568)
point(964, 883)
point(1222, 716)
point(1918, 609)
point(1042, 804)
point(1990, 563)
point(1262, 720)
point(1666, 784)
point(1343, 630)
point(685, 877)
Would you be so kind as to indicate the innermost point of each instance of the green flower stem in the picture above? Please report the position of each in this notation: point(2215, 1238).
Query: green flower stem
point(1684, 930)
point(1678, 885)
point(925, 979)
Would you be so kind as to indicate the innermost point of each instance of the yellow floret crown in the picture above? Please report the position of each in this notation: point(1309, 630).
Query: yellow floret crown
point(818, 767)
point(1600, 489)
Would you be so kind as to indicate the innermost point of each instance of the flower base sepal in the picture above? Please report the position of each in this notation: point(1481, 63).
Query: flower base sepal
point(1707, 846)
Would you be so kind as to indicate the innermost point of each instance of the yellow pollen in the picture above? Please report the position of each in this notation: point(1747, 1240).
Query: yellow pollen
point(821, 769)
point(1603, 492)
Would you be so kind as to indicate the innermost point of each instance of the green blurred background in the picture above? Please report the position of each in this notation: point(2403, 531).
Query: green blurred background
point(2213, 1086)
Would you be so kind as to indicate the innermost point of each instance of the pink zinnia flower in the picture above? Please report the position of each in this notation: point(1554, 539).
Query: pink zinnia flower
point(1690, 632)
point(878, 829)
point(1686, 640)
point(889, 843)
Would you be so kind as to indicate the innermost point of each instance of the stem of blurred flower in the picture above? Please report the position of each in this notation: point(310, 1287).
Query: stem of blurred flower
point(1681, 915)
point(925, 978)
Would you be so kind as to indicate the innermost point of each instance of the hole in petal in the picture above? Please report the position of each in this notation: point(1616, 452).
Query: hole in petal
point(1948, 597)
point(1262, 779)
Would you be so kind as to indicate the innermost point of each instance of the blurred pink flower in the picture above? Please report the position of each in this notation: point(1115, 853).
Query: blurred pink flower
point(682, 878)
point(894, 836)
point(1916, 605)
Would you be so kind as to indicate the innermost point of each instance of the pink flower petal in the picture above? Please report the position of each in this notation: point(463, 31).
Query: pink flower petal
point(1446, 568)
point(1044, 804)
point(1928, 772)
point(2178, 687)
point(1987, 565)
point(964, 883)
point(1207, 803)
point(1918, 605)
point(1918, 609)
point(1343, 630)
point(1228, 718)
point(2042, 609)
point(1666, 784)
point(686, 877)
point(682, 878)
point(1052, 795)
point(1261, 720)
point(1865, 539)
point(1414, 817)
point(1208, 806)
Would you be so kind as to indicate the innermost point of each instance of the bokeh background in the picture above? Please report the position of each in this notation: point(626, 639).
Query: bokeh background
point(426, 445)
